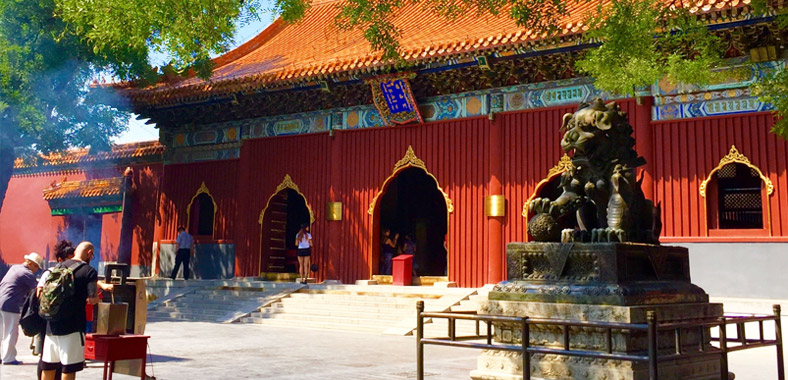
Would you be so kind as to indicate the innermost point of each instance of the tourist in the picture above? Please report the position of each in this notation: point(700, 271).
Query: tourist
point(304, 245)
point(409, 245)
point(64, 346)
point(64, 250)
point(389, 247)
point(185, 246)
point(14, 288)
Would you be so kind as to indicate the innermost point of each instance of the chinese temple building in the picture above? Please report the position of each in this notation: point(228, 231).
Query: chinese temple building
point(305, 123)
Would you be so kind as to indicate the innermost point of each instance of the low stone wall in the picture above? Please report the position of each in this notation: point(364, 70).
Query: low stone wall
point(746, 270)
point(210, 261)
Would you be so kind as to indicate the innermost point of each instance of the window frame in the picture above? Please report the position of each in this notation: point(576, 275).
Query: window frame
point(711, 200)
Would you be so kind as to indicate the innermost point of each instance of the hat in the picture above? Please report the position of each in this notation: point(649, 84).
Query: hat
point(36, 258)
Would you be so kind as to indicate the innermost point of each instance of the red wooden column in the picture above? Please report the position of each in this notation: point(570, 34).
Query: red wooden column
point(644, 143)
point(334, 226)
point(495, 248)
point(247, 263)
point(158, 224)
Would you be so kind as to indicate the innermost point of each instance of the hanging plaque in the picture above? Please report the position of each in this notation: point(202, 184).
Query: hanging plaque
point(394, 99)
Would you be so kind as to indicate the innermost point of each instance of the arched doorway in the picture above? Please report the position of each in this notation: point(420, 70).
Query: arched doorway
point(413, 204)
point(286, 211)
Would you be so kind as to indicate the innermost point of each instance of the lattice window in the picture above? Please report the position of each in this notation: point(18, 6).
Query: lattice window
point(739, 196)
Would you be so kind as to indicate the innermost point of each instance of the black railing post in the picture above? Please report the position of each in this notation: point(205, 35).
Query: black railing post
point(419, 344)
point(651, 318)
point(778, 336)
point(723, 349)
point(526, 340)
point(489, 332)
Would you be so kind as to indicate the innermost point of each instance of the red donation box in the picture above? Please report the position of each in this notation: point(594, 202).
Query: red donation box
point(109, 348)
point(401, 270)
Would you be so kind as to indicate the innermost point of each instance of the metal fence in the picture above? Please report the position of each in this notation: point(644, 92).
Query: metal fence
point(652, 356)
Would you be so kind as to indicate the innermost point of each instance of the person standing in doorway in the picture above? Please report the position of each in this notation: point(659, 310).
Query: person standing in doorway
point(185, 243)
point(304, 244)
point(388, 249)
point(14, 287)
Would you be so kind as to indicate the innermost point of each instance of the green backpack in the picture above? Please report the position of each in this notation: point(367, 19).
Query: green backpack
point(58, 292)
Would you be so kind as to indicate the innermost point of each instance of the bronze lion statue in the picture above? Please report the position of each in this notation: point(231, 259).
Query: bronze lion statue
point(601, 200)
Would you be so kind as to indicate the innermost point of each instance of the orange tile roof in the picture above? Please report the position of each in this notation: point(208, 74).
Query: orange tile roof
point(316, 48)
point(76, 156)
point(84, 189)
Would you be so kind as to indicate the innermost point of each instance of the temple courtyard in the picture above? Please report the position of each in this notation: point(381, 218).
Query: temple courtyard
point(212, 351)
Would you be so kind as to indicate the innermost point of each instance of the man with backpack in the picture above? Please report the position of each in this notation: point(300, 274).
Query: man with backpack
point(14, 288)
point(64, 346)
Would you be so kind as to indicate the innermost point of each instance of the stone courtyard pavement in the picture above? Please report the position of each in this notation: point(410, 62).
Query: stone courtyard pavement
point(208, 351)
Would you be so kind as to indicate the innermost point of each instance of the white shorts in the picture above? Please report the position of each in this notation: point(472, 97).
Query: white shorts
point(67, 351)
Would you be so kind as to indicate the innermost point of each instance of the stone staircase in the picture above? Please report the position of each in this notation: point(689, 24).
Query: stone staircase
point(380, 309)
point(372, 309)
point(212, 301)
point(439, 327)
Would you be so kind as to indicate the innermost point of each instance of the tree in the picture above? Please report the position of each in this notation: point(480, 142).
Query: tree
point(45, 104)
point(51, 49)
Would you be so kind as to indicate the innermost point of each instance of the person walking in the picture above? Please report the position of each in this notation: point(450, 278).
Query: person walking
point(185, 243)
point(64, 345)
point(304, 244)
point(14, 288)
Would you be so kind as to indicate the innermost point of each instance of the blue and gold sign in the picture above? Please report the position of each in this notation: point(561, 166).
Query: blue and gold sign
point(394, 99)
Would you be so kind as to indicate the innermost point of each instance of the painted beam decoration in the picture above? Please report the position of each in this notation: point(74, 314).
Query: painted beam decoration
point(393, 98)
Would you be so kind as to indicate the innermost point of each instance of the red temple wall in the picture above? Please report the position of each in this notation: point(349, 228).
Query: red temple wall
point(361, 161)
point(358, 162)
point(110, 236)
point(688, 150)
point(145, 180)
point(26, 224)
point(180, 184)
point(263, 166)
point(352, 166)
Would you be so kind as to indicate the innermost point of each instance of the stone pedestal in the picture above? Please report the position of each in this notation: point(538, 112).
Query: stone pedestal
point(608, 282)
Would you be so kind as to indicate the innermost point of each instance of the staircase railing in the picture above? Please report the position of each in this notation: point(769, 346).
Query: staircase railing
point(652, 356)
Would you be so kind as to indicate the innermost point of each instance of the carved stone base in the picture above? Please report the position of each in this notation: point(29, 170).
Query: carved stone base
point(598, 273)
point(600, 282)
point(502, 365)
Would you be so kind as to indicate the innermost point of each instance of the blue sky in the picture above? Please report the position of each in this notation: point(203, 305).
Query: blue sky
point(139, 131)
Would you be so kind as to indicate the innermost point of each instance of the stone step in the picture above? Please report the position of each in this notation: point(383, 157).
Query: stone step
point(216, 312)
point(362, 320)
point(233, 292)
point(309, 320)
point(319, 325)
point(286, 304)
point(335, 312)
point(161, 315)
point(190, 307)
point(371, 291)
point(217, 299)
point(357, 300)
point(350, 296)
